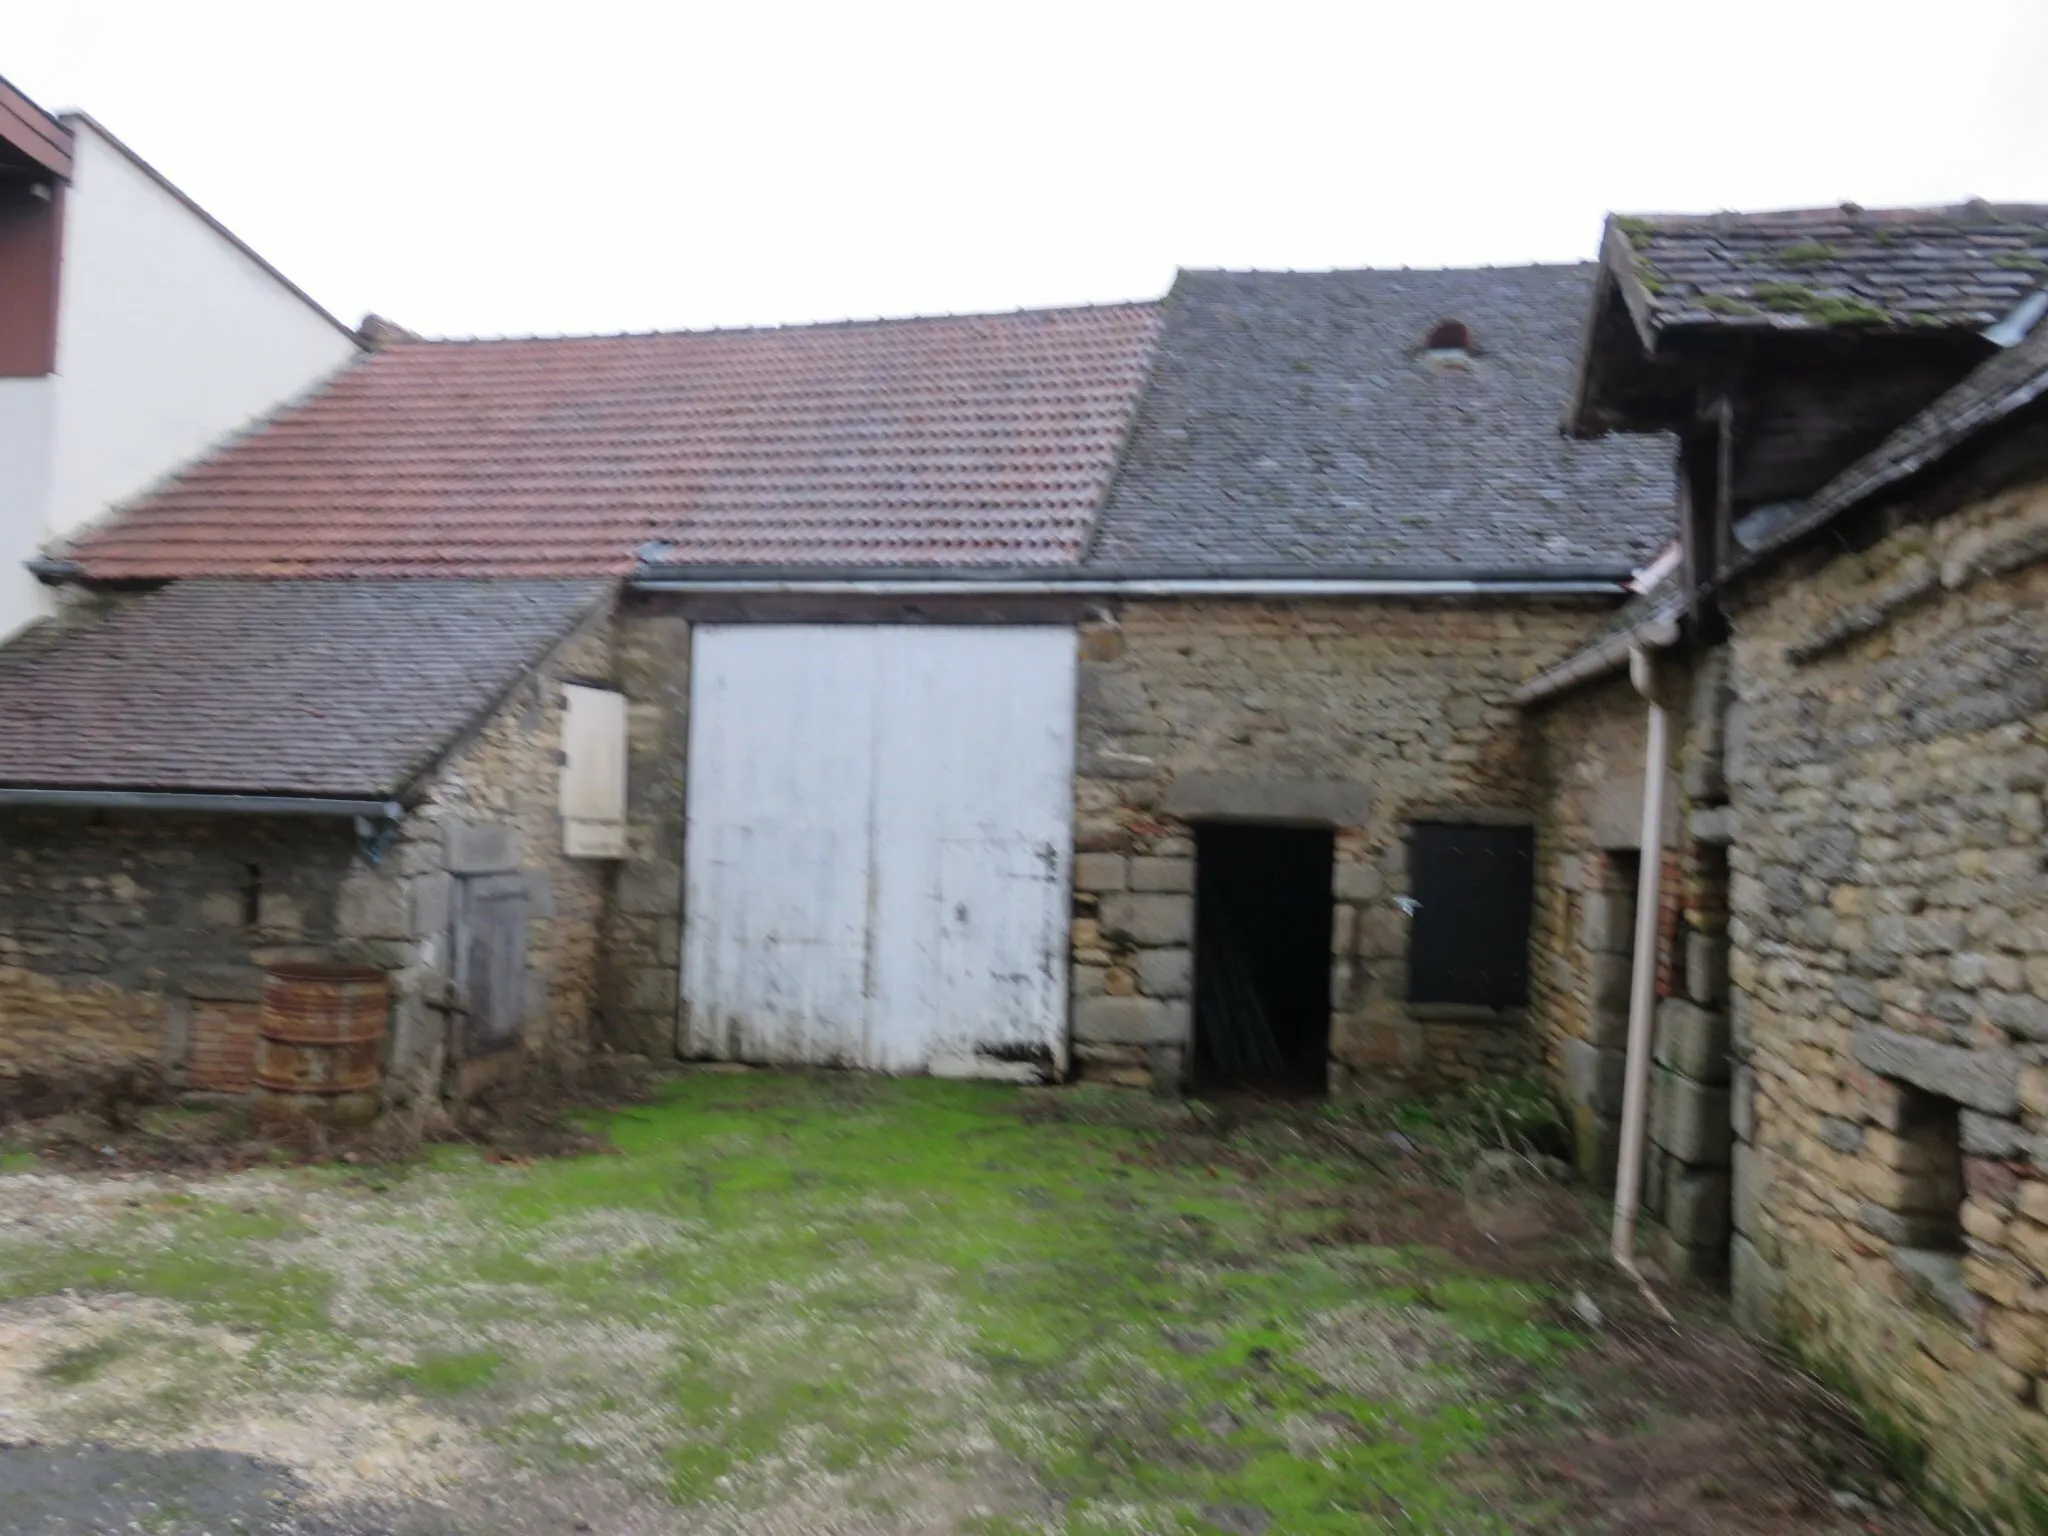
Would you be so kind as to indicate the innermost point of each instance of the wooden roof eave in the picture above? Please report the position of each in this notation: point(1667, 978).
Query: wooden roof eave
point(1615, 283)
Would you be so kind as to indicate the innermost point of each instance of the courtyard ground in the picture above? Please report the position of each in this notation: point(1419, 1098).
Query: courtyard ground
point(839, 1304)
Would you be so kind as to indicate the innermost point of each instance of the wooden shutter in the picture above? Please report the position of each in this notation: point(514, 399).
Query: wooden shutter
point(1470, 937)
point(593, 782)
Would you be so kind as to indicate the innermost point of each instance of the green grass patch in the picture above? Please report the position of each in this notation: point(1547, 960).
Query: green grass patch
point(448, 1375)
point(81, 1362)
point(784, 1278)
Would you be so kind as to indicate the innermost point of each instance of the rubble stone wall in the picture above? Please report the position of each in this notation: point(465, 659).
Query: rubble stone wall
point(488, 813)
point(1887, 761)
point(1589, 856)
point(1363, 717)
point(115, 924)
point(644, 929)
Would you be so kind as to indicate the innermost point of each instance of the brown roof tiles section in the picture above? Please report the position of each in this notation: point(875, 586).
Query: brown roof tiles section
point(961, 440)
point(1963, 267)
point(323, 688)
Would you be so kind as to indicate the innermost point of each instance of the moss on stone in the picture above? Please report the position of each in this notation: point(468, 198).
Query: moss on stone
point(1820, 308)
point(1787, 298)
point(1807, 253)
point(1835, 309)
point(1727, 304)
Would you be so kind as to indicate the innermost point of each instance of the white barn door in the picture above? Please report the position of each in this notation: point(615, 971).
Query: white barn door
point(878, 847)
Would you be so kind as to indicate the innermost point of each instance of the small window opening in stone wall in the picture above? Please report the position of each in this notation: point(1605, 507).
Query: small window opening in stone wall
point(1472, 889)
point(1926, 1203)
point(1263, 911)
point(1670, 910)
point(1931, 1180)
point(1622, 876)
point(252, 895)
point(1621, 872)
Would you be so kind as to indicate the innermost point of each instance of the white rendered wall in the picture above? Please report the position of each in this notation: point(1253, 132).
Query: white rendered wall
point(170, 337)
point(25, 420)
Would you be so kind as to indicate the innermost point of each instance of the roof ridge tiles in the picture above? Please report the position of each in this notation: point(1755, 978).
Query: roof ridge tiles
point(1445, 269)
point(775, 328)
point(1973, 208)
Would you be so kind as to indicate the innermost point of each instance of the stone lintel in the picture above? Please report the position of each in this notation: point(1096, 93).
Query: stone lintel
point(1243, 797)
point(481, 850)
point(1981, 1078)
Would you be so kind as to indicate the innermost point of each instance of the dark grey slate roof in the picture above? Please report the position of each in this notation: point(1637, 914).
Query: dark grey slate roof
point(1292, 424)
point(1812, 268)
point(346, 689)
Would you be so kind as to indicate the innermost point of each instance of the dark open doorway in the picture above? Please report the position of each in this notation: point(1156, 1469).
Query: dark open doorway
point(1262, 955)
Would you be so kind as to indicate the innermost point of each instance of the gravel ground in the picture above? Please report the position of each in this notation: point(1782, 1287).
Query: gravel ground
point(838, 1306)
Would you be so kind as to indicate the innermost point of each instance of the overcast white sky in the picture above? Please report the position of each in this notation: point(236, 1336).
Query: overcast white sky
point(516, 167)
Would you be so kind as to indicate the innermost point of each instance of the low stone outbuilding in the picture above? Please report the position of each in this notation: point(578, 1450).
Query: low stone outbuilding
point(202, 780)
point(1854, 642)
point(1126, 690)
point(1339, 753)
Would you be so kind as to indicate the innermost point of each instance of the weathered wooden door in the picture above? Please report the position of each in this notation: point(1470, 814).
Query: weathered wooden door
point(490, 962)
point(878, 847)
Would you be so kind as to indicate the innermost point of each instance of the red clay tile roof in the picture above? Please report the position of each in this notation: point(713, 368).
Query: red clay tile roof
point(963, 440)
point(1963, 267)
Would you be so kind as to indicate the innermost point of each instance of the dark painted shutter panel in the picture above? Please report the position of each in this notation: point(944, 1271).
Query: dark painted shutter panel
point(1469, 939)
point(490, 961)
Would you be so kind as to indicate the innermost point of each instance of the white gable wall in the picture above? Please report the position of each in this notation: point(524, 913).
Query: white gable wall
point(170, 336)
point(26, 412)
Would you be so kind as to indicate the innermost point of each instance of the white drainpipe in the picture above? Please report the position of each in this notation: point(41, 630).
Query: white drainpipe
point(1635, 1100)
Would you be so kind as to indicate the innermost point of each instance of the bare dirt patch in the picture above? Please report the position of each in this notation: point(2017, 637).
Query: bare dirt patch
point(1693, 1429)
point(132, 1123)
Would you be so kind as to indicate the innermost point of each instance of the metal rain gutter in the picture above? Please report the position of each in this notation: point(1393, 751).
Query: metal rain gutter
point(1128, 587)
point(1658, 632)
point(219, 804)
point(1642, 999)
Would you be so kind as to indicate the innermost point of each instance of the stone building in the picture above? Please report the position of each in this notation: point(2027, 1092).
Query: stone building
point(219, 775)
point(1862, 402)
point(1126, 691)
point(1260, 768)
